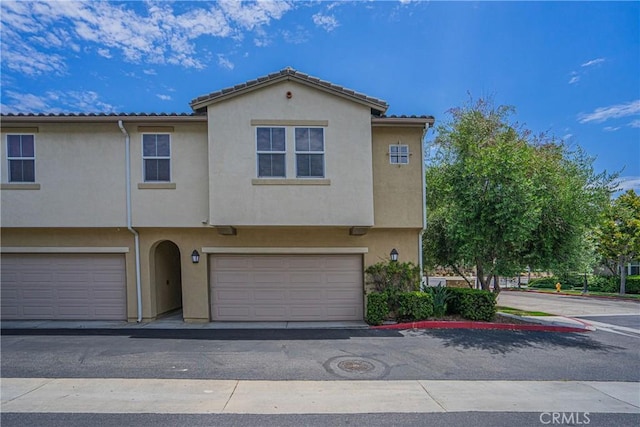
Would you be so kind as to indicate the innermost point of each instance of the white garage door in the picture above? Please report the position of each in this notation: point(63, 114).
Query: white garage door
point(63, 286)
point(286, 287)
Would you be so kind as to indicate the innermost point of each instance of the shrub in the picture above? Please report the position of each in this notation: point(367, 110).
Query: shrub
point(393, 278)
point(400, 276)
point(472, 304)
point(377, 308)
point(605, 284)
point(612, 284)
point(440, 296)
point(632, 285)
point(550, 283)
point(414, 306)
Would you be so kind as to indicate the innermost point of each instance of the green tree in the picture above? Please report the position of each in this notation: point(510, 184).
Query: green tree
point(499, 198)
point(619, 233)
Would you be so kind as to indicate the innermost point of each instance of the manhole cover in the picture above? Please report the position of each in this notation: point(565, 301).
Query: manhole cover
point(356, 366)
point(351, 367)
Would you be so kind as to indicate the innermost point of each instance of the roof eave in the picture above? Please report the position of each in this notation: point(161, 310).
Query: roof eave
point(427, 121)
point(204, 101)
point(133, 118)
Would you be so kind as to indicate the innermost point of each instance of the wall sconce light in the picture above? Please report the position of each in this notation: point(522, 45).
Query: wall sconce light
point(394, 255)
point(195, 257)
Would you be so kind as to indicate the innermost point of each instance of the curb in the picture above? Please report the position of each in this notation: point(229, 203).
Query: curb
point(438, 324)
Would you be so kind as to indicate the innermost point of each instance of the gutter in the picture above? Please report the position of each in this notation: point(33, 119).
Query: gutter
point(136, 236)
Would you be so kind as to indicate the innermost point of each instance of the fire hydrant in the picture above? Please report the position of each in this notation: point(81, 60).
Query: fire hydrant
point(558, 287)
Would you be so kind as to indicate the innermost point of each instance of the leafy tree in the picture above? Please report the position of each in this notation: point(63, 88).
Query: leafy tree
point(499, 198)
point(619, 233)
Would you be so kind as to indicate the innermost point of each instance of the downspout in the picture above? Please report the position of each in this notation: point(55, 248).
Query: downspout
point(136, 237)
point(424, 202)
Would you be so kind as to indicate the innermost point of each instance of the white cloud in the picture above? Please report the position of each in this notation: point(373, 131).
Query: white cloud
point(635, 123)
point(327, 22)
point(593, 62)
point(66, 102)
point(574, 79)
point(164, 97)
point(629, 183)
point(105, 53)
point(601, 114)
point(297, 36)
point(225, 63)
point(567, 136)
point(611, 128)
point(37, 36)
point(150, 72)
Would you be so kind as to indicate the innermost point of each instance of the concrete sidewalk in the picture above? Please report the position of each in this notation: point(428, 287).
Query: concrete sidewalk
point(175, 396)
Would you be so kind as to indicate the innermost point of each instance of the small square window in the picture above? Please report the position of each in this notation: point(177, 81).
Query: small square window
point(399, 154)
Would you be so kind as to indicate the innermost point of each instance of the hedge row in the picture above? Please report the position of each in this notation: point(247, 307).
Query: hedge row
point(472, 304)
point(595, 283)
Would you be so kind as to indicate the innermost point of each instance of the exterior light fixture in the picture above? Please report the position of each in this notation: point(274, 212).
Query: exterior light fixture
point(394, 255)
point(195, 257)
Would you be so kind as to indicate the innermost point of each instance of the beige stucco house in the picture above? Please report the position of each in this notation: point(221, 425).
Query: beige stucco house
point(265, 203)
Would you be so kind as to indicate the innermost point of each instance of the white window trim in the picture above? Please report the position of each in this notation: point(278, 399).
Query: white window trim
point(324, 163)
point(144, 171)
point(9, 158)
point(391, 155)
point(258, 152)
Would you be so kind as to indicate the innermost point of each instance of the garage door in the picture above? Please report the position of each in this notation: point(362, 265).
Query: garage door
point(63, 286)
point(286, 287)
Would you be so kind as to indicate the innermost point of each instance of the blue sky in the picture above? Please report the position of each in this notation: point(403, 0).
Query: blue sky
point(569, 68)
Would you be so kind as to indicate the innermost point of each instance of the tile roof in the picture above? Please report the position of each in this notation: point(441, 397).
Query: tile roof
point(99, 114)
point(378, 105)
point(100, 117)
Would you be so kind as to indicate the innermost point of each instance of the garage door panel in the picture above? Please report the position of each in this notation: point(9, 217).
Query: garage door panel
point(267, 295)
point(286, 287)
point(306, 295)
point(231, 277)
point(43, 293)
point(63, 286)
point(70, 294)
point(268, 277)
point(268, 263)
point(232, 295)
point(267, 312)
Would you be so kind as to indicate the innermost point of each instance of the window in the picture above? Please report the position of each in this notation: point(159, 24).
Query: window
point(272, 148)
point(156, 157)
point(399, 154)
point(309, 152)
point(22, 158)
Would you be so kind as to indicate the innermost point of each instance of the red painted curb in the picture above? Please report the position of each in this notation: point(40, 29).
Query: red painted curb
point(439, 324)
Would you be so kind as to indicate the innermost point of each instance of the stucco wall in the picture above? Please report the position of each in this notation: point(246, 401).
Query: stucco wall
point(344, 198)
point(61, 238)
point(81, 172)
point(397, 189)
point(187, 204)
point(195, 280)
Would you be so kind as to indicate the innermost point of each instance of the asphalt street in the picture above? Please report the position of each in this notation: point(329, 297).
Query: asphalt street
point(331, 357)
point(446, 354)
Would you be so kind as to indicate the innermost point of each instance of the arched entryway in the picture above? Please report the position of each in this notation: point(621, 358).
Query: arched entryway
point(168, 277)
